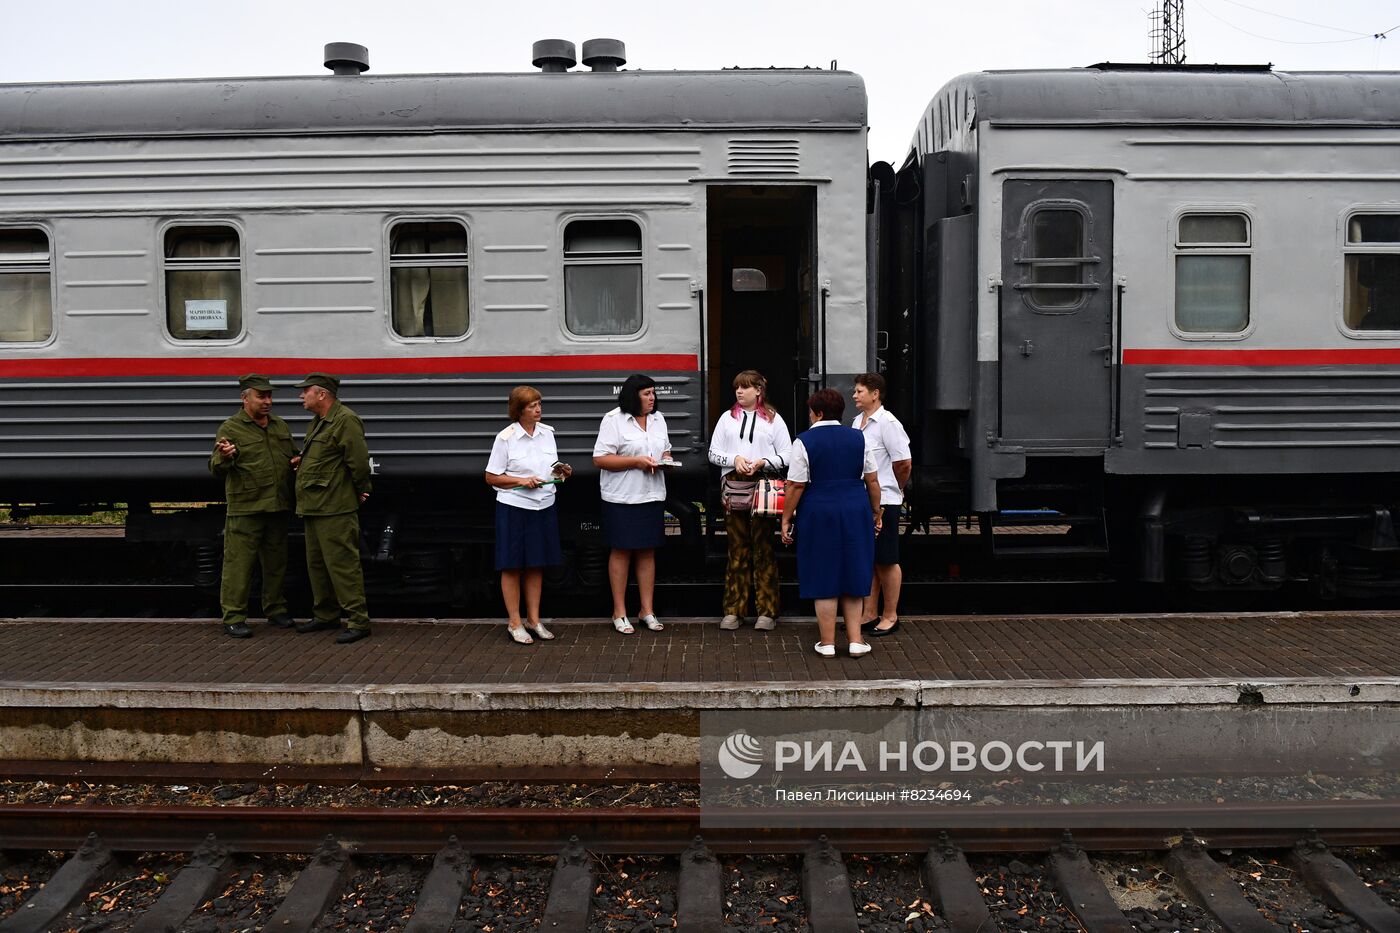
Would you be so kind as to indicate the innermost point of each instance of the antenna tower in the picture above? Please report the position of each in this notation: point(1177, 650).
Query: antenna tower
point(1168, 33)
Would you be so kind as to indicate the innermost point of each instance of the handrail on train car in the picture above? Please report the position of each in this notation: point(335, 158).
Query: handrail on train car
point(826, 293)
point(704, 433)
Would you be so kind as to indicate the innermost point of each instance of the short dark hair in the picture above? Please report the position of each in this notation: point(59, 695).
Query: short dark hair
point(629, 397)
point(874, 382)
point(521, 398)
point(828, 403)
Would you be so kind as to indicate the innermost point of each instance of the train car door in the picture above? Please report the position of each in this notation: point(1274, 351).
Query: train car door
point(761, 250)
point(1056, 313)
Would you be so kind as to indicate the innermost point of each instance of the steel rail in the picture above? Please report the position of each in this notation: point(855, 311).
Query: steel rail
point(655, 830)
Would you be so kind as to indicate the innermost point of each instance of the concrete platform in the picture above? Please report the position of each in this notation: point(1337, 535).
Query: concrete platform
point(457, 697)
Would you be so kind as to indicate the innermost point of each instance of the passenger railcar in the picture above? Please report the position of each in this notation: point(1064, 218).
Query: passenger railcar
point(434, 240)
point(1160, 306)
point(1154, 309)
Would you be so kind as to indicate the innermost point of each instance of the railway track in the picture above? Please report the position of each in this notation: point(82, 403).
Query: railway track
point(667, 830)
point(220, 859)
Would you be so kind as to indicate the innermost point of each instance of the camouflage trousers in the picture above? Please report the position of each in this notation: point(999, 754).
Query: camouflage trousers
point(752, 570)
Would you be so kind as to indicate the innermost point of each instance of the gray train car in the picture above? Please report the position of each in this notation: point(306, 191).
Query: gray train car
point(1159, 308)
point(434, 240)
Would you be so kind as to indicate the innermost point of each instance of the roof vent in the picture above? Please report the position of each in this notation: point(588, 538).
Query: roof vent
point(346, 58)
point(553, 56)
point(604, 54)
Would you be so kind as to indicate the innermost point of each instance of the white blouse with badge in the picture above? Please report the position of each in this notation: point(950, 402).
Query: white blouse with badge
point(516, 453)
point(619, 433)
point(887, 441)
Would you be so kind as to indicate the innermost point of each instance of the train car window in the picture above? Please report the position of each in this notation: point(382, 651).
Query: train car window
point(758, 274)
point(428, 279)
point(1372, 297)
point(26, 299)
point(603, 278)
point(1212, 273)
point(203, 283)
point(1056, 258)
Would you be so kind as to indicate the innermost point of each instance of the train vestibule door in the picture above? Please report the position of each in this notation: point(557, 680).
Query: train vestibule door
point(1056, 313)
point(762, 248)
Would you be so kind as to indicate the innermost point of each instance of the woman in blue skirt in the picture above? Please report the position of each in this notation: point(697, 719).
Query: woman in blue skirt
point(631, 451)
point(835, 481)
point(523, 468)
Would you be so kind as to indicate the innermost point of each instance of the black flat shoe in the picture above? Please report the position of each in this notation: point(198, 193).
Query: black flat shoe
point(282, 621)
point(869, 624)
point(317, 625)
point(238, 630)
point(874, 632)
point(351, 635)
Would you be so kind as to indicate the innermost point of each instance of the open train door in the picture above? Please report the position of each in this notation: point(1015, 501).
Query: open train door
point(762, 294)
point(1056, 313)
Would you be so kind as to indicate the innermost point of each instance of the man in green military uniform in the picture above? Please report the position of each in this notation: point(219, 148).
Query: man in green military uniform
point(253, 456)
point(332, 480)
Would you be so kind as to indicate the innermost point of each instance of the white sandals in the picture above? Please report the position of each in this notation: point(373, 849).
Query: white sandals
point(653, 623)
point(519, 635)
point(623, 626)
point(540, 631)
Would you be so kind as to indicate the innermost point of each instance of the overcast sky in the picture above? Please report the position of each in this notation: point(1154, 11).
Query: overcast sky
point(905, 49)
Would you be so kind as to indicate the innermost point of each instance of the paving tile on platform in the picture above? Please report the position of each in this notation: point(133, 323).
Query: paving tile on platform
point(195, 651)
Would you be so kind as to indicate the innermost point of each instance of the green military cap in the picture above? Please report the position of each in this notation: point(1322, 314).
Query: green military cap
point(324, 380)
point(255, 381)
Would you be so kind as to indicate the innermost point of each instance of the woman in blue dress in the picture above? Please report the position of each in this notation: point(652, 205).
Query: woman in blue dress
point(835, 480)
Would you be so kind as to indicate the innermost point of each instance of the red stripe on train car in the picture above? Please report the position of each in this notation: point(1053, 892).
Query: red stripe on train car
point(1359, 356)
point(408, 366)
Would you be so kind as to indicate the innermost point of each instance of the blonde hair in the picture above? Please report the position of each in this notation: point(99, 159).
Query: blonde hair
point(753, 379)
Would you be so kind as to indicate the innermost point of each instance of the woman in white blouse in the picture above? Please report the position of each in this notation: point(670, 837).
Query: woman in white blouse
point(750, 439)
point(631, 450)
point(523, 468)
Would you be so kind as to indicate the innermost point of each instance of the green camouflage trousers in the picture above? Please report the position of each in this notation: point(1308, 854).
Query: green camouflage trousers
point(249, 540)
point(752, 571)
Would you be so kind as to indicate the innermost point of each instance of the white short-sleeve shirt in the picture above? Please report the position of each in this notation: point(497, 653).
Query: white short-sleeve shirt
point(516, 453)
point(619, 433)
point(887, 441)
point(800, 466)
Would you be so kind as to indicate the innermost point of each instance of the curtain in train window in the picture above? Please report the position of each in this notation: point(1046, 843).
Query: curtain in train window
point(203, 283)
point(1055, 257)
point(26, 299)
point(428, 279)
point(603, 277)
point(1372, 296)
point(1212, 273)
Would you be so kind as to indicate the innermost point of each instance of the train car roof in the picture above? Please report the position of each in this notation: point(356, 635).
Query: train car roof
point(810, 99)
point(1180, 96)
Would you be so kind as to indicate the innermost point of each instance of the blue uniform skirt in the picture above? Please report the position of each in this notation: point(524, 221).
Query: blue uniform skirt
point(526, 537)
point(887, 542)
point(634, 527)
point(835, 537)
